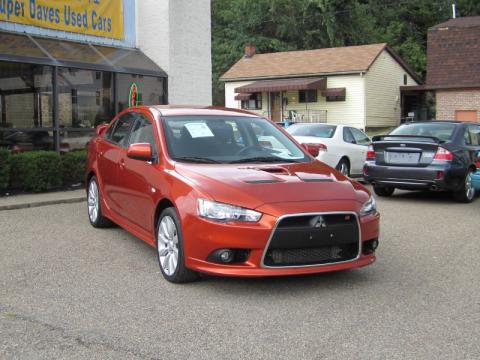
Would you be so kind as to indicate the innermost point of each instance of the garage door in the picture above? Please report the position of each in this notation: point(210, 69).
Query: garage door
point(466, 115)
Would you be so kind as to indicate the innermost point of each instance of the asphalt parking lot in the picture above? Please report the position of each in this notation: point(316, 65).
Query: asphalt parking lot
point(73, 292)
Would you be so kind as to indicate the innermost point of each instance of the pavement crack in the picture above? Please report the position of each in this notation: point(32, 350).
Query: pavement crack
point(80, 340)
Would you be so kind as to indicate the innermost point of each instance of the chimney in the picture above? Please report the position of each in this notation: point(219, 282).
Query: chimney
point(250, 50)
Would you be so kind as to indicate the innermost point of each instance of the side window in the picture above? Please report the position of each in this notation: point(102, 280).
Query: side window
point(142, 132)
point(360, 137)
point(472, 135)
point(120, 130)
point(347, 136)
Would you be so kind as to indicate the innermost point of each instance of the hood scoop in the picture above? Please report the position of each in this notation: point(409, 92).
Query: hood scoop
point(313, 177)
point(277, 170)
point(265, 181)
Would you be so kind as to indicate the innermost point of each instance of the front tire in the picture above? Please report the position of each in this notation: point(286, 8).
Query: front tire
point(171, 256)
point(466, 193)
point(384, 191)
point(94, 206)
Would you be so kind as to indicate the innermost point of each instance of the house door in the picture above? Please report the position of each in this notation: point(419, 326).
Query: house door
point(466, 115)
point(276, 107)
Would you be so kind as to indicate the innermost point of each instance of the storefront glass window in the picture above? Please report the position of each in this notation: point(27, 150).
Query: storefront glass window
point(150, 90)
point(84, 101)
point(26, 121)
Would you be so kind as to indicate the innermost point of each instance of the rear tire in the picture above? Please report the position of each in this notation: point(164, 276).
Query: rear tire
point(384, 191)
point(344, 167)
point(170, 253)
point(466, 193)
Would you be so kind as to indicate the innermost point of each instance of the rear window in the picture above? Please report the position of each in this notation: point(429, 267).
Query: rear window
point(321, 131)
point(440, 131)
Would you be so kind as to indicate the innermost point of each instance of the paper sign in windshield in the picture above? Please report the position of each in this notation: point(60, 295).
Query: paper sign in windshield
point(199, 130)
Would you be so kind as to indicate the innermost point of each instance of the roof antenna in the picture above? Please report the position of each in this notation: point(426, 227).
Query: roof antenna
point(454, 11)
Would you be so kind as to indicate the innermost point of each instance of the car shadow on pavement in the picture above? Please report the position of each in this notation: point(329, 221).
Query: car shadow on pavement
point(278, 285)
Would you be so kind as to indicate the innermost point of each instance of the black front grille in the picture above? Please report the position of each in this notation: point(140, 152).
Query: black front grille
point(313, 240)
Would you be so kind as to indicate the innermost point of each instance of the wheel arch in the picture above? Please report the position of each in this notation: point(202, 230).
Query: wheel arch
point(345, 157)
point(88, 177)
point(163, 204)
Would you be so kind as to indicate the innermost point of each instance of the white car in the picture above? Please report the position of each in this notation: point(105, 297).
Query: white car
point(342, 147)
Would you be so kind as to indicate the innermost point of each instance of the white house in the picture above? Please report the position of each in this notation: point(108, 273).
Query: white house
point(353, 85)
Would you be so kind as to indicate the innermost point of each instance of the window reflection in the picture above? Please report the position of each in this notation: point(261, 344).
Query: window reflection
point(84, 98)
point(150, 90)
point(26, 106)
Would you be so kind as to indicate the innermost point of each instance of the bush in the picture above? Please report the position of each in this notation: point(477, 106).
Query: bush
point(36, 171)
point(73, 167)
point(4, 169)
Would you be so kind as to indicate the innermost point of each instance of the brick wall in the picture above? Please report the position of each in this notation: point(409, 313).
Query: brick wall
point(450, 100)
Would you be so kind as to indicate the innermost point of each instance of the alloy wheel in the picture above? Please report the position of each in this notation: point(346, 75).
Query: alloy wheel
point(167, 245)
point(93, 203)
point(344, 168)
point(469, 189)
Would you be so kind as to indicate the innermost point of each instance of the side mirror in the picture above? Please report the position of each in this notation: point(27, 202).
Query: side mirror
point(100, 129)
point(140, 151)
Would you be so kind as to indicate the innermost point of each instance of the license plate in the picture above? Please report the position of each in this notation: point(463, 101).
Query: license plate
point(403, 158)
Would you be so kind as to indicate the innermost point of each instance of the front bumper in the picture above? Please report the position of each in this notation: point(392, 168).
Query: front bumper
point(202, 237)
point(433, 177)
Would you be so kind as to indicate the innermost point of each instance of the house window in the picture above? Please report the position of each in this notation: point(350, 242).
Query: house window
point(405, 79)
point(335, 98)
point(307, 96)
point(254, 103)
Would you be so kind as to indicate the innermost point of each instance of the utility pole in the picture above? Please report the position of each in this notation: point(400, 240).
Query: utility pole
point(454, 11)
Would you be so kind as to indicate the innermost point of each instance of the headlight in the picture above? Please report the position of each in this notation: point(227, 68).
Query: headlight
point(370, 207)
point(224, 212)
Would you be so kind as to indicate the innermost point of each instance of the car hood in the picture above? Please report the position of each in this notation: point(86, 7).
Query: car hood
point(253, 185)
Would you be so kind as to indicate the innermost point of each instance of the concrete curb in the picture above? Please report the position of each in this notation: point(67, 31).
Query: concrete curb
point(42, 203)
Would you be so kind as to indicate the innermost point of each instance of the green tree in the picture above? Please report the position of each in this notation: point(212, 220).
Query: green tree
point(282, 25)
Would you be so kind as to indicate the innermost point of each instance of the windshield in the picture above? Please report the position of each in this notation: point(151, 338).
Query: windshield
point(218, 139)
point(441, 131)
point(317, 130)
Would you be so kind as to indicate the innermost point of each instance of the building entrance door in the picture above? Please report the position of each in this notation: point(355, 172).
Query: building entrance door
point(466, 115)
point(276, 106)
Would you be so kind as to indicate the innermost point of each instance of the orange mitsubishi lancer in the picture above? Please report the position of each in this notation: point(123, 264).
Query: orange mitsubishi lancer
point(226, 192)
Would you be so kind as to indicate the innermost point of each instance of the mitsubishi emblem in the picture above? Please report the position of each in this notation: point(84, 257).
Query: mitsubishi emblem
point(320, 222)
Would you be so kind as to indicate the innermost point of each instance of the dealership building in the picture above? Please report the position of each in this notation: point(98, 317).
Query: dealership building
point(67, 66)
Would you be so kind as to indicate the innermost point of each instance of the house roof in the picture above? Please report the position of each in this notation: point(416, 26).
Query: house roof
point(339, 60)
point(453, 54)
point(461, 22)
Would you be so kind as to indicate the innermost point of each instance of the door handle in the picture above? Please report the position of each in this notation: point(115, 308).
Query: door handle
point(122, 164)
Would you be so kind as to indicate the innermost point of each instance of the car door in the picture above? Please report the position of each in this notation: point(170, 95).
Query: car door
point(472, 143)
point(352, 150)
point(361, 147)
point(138, 179)
point(110, 150)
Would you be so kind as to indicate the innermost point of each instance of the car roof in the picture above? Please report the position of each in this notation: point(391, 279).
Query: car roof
point(189, 110)
point(313, 123)
point(437, 122)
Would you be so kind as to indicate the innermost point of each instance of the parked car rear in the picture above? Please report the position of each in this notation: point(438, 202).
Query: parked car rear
point(434, 155)
point(339, 146)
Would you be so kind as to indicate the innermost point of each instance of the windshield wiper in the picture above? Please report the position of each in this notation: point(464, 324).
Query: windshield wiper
point(265, 159)
point(197, 159)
